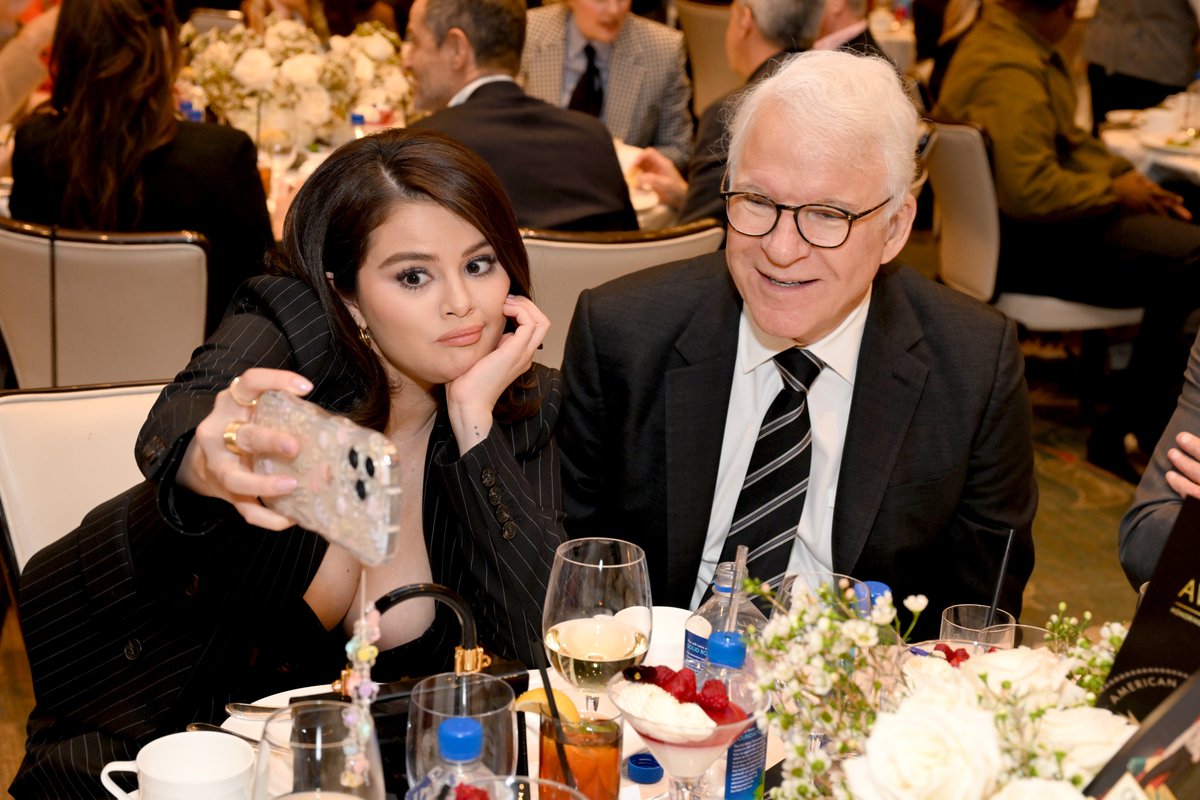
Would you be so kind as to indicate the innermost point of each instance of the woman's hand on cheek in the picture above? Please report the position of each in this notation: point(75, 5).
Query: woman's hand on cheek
point(212, 469)
point(471, 397)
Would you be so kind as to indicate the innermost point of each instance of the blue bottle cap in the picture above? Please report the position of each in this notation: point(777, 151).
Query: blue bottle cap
point(460, 739)
point(727, 649)
point(644, 768)
point(357, 119)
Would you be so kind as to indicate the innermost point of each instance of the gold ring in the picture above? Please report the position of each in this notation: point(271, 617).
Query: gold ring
point(230, 437)
point(233, 393)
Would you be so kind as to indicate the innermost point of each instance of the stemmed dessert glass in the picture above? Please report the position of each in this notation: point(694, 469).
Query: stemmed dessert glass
point(597, 616)
point(686, 751)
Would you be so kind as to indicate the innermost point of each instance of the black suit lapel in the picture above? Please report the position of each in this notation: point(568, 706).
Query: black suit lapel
point(697, 397)
point(887, 388)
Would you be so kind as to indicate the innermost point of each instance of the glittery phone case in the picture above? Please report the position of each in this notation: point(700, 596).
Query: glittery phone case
point(349, 482)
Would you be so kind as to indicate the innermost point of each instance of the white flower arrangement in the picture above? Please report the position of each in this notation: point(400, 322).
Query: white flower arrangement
point(239, 73)
point(864, 717)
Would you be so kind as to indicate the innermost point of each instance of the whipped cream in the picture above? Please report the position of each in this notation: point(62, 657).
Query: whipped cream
point(660, 715)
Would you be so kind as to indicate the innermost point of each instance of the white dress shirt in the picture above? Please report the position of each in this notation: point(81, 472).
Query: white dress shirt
point(756, 382)
point(575, 62)
point(464, 94)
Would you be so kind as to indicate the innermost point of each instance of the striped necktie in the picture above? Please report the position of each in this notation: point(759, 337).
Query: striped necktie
point(772, 497)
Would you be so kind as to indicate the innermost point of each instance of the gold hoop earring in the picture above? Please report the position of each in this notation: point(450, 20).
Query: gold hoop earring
point(364, 336)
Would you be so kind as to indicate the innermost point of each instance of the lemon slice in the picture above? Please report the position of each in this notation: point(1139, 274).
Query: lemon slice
point(535, 701)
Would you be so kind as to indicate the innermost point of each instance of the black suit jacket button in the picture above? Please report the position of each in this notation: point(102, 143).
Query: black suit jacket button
point(494, 496)
point(502, 515)
point(509, 531)
point(133, 649)
point(488, 477)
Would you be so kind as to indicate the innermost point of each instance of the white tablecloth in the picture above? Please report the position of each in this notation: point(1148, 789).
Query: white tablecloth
point(1156, 165)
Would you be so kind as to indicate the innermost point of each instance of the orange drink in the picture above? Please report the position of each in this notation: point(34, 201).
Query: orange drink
point(593, 749)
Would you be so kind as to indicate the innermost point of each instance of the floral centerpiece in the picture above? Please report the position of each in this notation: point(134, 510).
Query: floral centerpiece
point(239, 73)
point(864, 716)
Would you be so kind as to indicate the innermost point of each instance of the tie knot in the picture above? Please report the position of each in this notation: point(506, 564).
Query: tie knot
point(590, 53)
point(799, 368)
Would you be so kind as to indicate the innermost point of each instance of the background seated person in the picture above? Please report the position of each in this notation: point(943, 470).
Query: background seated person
point(1078, 222)
point(902, 407)
point(634, 80)
point(1173, 474)
point(325, 17)
point(559, 167)
point(400, 299)
point(107, 154)
point(21, 67)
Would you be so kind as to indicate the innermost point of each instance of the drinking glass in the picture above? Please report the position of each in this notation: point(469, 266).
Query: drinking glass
point(439, 697)
point(516, 787)
point(311, 750)
point(597, 615)
point(277, 139)
point(967, 621)
point(593, 750)
point(1030, 636)
point(794, 583)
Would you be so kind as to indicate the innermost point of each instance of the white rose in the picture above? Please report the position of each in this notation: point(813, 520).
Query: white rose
point(1088, 737)
point(338, 44)
point(303, 70)
point(925, 752)
point(1038, 789)
point(1037, 676)
point(933, 680)
point(364, 69)
point(376, 46)
point(284, 34)
point(315, 108)
point(255, 69)
point(219, 53)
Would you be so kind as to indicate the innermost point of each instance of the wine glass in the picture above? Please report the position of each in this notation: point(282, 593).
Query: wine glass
point(277, 138)
point(597, 615)
point(684, 749)
point(319, 749)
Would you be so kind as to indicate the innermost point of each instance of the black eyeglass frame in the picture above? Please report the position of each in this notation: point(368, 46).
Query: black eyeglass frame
point(851, 216)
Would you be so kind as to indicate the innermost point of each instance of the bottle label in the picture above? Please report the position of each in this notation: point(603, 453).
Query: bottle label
point(744, 769)
point(695, 651)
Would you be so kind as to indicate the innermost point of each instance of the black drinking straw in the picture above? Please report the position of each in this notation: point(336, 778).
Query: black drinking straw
point(559, 734)
point(991, 615)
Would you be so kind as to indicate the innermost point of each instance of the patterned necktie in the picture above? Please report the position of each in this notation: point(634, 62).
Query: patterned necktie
point(772, 497)
point(588, 96)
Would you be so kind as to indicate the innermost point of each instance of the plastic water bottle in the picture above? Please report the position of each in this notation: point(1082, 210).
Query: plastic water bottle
point(460, 750)
point(195, 115)
point(740, 774)
point(710, 616)
point(358, 122)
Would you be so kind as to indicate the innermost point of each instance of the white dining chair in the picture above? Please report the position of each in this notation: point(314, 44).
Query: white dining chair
point(63, 452)
point(80, 307)
point(703, 27)
point(562, 264)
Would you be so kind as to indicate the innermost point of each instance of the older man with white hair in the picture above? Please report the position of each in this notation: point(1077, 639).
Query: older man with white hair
point(791, 394)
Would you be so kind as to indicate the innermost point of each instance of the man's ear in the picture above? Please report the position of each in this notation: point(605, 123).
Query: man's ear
point(743, 18)
point(899, 227)
point(462, 54)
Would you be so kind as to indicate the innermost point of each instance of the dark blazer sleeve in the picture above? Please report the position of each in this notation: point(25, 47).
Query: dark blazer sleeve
point(1148, 523)
point(507, 496)
point(706, 168)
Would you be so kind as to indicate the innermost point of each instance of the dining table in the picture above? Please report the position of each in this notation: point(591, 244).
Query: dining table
point(1160, 155)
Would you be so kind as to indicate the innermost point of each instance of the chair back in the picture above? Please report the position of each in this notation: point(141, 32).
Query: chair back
point(563, 264)
point(205, 19)
point(79, 307)
point(704, 35)
point(956, 159)
point(62, 453)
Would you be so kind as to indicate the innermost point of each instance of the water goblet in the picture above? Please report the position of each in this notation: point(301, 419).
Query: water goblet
point(966, 621)
point(597, 617)
point(440, 697)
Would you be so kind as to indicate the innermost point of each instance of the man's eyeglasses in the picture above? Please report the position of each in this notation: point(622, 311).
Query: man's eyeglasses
point(820, 225)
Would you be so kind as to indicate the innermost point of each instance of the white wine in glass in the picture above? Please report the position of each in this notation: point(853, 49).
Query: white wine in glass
point(597, 615)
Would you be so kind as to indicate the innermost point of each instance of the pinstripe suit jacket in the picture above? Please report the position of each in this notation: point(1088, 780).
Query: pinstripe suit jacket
point(647, 94)
point(162, 606)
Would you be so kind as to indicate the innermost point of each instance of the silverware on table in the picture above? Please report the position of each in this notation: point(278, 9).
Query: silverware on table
point(250, 711)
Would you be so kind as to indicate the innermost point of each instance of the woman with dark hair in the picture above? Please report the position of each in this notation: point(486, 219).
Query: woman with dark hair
point(106, 152)
point(401, 300)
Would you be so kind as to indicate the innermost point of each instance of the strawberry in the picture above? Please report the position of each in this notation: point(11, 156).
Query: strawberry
point(464, 792)
point(682, 686)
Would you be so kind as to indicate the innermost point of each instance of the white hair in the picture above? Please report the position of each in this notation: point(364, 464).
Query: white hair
point(792, 24)
point(849, 108)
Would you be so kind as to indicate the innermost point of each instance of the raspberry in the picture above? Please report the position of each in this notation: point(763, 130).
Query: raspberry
point(682, 686)
point(464, 792)
point(960, 655)
point(662, 675)
point(712, 697)
point(944, 649)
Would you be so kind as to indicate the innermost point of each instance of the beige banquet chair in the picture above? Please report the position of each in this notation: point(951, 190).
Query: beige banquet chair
point(704, 35)
point(62, 453)
point(969, 246)
point(563, 264)
point(79, 307)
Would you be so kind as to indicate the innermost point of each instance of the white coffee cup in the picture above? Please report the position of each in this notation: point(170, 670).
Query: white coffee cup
point(194, 765)
point(1160, 120)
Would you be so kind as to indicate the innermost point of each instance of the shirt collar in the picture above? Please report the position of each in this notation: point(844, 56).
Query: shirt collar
point(837, 349)
point(576, 40)
point(464, 94)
